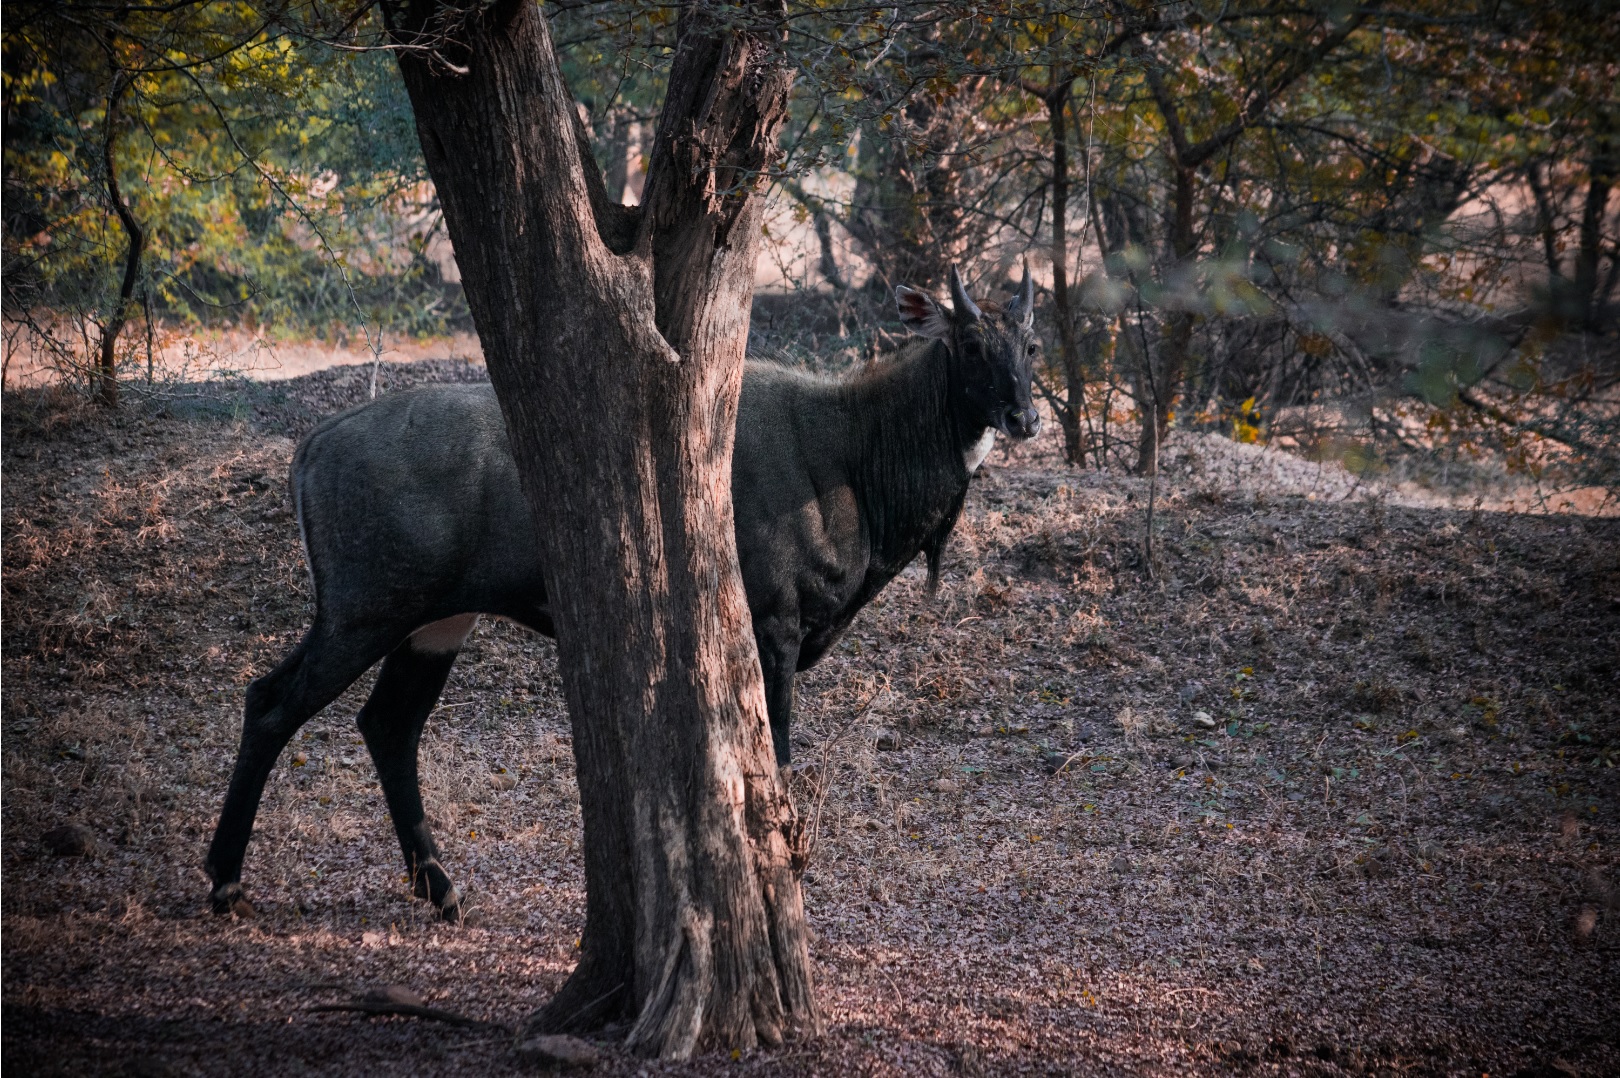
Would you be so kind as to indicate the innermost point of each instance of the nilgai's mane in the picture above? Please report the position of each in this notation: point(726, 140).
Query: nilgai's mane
point(910, 481)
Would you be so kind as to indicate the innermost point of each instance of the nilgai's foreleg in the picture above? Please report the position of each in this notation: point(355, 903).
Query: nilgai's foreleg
point(778, 661)
point(391, 722)
point(316, 672)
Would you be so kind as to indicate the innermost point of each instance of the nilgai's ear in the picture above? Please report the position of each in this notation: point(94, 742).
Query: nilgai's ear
point(920, 314)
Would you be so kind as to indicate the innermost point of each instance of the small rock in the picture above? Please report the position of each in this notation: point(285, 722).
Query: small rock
point(299, 759)
point(887, 740)
point(70, 840)
point(558, 1051)
point(1054, 762)
point(503, 782)
point(1191, 691)
point(944, 786)
point(1121, 865)
point(1204, 719)
point(372, 939)
point(396, 994)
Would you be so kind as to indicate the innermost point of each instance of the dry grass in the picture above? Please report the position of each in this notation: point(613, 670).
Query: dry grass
point(1393, 850)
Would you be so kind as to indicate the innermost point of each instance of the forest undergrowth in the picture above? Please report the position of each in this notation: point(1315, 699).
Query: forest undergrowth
point(1313, 782)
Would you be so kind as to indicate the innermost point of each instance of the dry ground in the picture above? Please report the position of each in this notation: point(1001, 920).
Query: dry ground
point(188, 354)
point(1325, 787)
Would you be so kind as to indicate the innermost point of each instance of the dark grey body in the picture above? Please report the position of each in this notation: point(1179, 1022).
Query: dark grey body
point(414, 523)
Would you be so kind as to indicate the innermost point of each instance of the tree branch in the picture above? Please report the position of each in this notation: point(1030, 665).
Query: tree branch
point(1192, 155)
point(1259, 102)
point(711, 152)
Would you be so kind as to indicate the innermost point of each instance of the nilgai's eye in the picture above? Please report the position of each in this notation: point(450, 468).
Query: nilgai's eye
point(1031, 351)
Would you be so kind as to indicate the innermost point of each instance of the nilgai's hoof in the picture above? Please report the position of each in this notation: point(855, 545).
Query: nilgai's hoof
point(229, 899)
point(448, 900)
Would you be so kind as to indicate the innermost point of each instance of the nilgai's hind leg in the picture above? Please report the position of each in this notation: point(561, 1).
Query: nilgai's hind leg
point(412, 677)
point(316, 672)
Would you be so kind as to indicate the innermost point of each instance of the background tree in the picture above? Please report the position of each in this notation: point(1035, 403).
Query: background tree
point(271, 181)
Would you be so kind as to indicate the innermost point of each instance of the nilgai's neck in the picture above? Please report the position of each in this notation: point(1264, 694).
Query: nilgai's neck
point(909, 475)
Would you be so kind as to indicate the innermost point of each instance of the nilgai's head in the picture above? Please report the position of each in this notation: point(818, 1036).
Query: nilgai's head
point(991, 352)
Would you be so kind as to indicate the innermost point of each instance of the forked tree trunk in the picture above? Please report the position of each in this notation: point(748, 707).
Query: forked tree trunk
point(615, 342)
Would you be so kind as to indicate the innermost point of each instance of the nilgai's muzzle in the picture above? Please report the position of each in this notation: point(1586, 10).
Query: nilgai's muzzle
point(1021, 424)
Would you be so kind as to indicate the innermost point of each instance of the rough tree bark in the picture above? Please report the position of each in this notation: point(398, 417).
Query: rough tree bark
point(615, 340)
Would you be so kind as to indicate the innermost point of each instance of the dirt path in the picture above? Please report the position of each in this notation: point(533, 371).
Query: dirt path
point(1332, 790)
point(180, 357)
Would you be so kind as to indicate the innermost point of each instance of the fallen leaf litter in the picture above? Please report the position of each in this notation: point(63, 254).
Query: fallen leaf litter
point(1333, 791)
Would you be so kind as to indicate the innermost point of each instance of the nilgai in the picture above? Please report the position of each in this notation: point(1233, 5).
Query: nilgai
point(414, 525)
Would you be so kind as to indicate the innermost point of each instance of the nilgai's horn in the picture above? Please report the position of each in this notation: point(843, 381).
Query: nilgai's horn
point(1023, 304)
point(966, 309)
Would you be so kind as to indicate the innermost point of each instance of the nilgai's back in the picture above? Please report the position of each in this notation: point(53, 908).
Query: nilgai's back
point(411, 511)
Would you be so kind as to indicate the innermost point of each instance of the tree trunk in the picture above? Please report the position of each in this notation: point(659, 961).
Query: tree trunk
point(1605, 162)
point(106, 374)
point(615, 341)
point(1074, 375)
point(1170, 366)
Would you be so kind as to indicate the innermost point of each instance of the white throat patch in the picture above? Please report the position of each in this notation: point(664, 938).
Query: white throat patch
point(974, 455)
